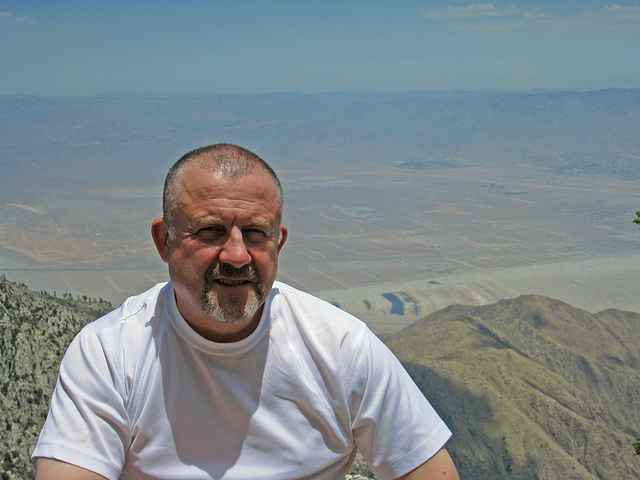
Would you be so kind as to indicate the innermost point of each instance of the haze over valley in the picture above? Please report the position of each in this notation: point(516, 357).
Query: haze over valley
point(397, 204)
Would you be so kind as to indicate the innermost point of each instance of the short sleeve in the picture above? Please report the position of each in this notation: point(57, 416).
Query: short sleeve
point(395, 427)
point(87, 423)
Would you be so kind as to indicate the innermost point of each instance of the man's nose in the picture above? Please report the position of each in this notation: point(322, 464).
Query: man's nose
point(234, 251)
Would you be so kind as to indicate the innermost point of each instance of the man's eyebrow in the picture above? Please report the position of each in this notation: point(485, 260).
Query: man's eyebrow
point(215, 221)
point(208, 221)
point(261, 222)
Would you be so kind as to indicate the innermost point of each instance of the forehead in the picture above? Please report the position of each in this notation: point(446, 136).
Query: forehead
point(204, 192)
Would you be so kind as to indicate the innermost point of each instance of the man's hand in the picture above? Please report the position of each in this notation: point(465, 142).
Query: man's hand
point(438, 467)
point(50, 469)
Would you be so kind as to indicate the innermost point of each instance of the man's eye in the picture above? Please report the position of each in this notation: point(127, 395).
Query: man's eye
point(210, 232)
point(255, 234)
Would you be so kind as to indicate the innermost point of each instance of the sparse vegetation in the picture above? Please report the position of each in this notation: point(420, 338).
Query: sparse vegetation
point(531, 387)
point(35, 330)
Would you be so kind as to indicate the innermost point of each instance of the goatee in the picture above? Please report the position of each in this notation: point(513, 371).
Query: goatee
point(235, 308)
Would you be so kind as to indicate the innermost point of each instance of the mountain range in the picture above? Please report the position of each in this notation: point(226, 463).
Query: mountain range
point(531, 387)
point(121, 137)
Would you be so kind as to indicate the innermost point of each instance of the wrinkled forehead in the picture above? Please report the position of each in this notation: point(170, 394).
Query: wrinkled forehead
point(202, 183)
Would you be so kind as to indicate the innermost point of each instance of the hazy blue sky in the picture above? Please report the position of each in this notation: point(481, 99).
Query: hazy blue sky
point(196, 46)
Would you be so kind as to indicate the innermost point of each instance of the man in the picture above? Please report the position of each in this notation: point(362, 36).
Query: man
point(224, 372)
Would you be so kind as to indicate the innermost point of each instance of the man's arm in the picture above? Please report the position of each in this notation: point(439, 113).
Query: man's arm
point(50, 469)
point(438, 467)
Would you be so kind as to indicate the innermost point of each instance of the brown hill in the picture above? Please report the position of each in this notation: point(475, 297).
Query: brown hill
point(531, 387)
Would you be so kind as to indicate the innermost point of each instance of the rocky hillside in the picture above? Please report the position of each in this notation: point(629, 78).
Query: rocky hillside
point(35, 329)
point(531, 387)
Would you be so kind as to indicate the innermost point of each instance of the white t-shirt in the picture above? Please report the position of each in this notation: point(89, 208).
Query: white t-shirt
point(141, 395)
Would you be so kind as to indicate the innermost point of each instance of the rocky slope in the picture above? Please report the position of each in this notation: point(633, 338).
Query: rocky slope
point(35, 330)
point(531, 387)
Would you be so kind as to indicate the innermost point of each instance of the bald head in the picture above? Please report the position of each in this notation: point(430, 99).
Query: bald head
point(226, 160)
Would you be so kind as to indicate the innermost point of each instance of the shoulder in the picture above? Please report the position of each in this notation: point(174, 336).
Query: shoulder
point(129, 328)
point(114, 349)
point(291, 301)
point(134, 313)
point(321, 327)
point(313, 315)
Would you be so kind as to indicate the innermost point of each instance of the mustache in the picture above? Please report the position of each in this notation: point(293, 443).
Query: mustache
point(225, 270)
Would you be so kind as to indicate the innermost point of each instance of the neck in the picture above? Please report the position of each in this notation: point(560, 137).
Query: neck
point(220, 332)
point(215, 330)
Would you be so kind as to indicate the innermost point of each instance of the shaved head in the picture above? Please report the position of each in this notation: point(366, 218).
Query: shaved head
point(224, 159)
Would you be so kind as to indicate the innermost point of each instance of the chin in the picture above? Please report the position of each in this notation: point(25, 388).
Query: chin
point(233, 310)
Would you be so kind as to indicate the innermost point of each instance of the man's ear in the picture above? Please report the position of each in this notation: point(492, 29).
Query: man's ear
point(160, 234)
point(283, 237)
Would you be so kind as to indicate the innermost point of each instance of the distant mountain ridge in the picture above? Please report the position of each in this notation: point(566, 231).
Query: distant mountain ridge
point(119, 135)
point(531, 387)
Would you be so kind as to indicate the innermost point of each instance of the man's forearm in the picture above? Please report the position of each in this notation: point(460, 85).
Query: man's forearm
point(50, 469)
point(438, 467)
